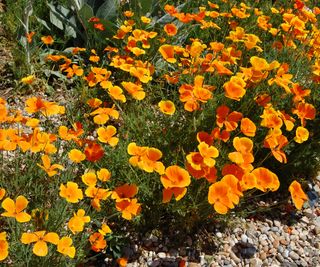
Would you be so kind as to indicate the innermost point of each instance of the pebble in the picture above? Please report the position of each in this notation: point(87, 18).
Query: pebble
point(276, 243)
point(256, 262)
point(285, 253)
point(277, 223)
point(274, 229)
point(284, 242)
point(161, 255)
point(234, 257)
point(263, 255)
point(244, 238)
point(218, 234)
point(280, 258)
point(294, 255)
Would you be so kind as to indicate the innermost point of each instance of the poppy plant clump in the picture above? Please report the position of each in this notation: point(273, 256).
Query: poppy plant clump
point(191, 115)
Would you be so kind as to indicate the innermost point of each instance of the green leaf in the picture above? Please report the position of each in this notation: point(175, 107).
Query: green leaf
point(57, 15)
point(43, 22)
point(108, 10)
point(86, 12)
point(141, 7)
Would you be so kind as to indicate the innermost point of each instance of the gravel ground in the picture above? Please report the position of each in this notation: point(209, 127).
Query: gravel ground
point(289, 240)
point(252, 243)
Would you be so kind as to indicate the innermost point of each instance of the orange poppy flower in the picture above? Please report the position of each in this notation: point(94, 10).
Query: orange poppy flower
point(73, 70)
point(136, 152)
point(266, 179)
point(35, 104)
point(297, 194)
point(2, 193)
point(94, 102)
point(4, 246)
point(302, 135)
point(106, 135)
point(135, 90)
point(40, 238)
point(129, 208)
point(48, 40)
point(167, 107)
point(170, 29)
point(248, 127)
point(65, 247)
point(122, 262)
point(143, 74)
point(116, 93)
point(99, 26)
point(208, 153)
point(102, 115)
point(97, 242)
point(71, 134)
point(234, 187)
point(93, 152)
point(167, 52)
point(71, 192)
point(29, 36)
point(178, 192)
point(271, 118)
point(218, 197)
point(97, 194)
point(276, 141)
point(76, 223)
point(288, 120)
point(248, 181)
point(145, 19)
point(75, 155)
point(28, 79)
point(259, 64)
point(89, 178)
point(235, 88)
point(149, 162)
point(104, 175)
point(175, 176)
point(51, 170)
point(15, 209)
point(244, 148)
point(105, 229)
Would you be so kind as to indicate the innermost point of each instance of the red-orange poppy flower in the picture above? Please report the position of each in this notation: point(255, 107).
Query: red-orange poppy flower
point(124, 192)
point(99, 26)
point(305, 111)
point(93, 151)
point(227, 119)
point(170, 29)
